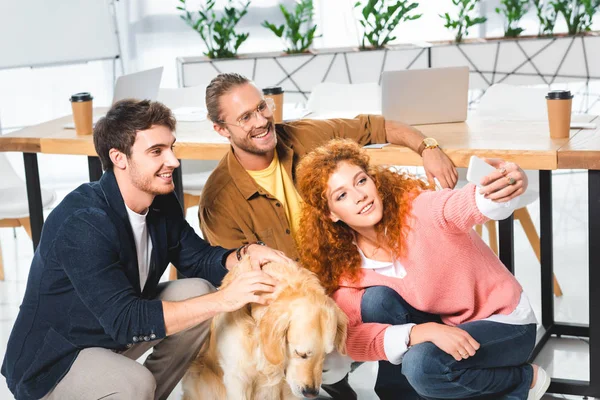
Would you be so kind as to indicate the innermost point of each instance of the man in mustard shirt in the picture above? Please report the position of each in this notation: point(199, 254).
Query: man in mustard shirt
point(251, 195)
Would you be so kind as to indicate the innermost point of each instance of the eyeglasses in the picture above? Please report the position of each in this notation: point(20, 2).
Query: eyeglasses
point(246, 121)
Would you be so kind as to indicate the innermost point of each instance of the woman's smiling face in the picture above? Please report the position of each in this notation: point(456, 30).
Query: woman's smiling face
point(353, 197)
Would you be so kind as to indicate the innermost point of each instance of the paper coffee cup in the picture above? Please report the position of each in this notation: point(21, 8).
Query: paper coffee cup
point(276, 93)
point(81, 103)
point(559, 113)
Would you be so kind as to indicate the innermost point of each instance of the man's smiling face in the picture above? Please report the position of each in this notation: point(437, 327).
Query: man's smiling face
point(248, 129)
point(152, 161)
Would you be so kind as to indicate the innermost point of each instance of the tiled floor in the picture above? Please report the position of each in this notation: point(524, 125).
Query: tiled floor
point(565, 358)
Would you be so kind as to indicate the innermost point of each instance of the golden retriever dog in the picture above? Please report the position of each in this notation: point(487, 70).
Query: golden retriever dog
point(269, 352)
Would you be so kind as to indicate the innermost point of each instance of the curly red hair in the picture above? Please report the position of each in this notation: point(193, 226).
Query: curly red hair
point(327, 247)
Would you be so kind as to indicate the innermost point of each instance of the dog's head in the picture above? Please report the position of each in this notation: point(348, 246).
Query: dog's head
point(299, 328)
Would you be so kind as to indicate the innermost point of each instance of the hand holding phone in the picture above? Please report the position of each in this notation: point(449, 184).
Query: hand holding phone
point(478, 169)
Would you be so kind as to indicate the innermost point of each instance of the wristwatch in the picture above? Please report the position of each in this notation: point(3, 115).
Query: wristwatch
point(243, 249)
point(427, 143)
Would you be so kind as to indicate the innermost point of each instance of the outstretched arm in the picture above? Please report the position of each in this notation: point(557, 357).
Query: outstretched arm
point(462, 209)
point(435, 161)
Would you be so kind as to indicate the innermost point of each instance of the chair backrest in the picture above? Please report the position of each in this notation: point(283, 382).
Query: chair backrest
point(182, 97)
point(514, 102)
point(347, 100)
point(8, 176)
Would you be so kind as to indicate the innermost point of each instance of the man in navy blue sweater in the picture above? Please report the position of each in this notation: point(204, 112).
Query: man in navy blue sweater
point(93, 302)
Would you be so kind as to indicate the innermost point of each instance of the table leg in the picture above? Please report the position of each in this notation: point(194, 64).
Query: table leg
point(558, 385)
point(594, 277)
point(506, 229)
point(178, 182)
point(546, 249)
point(34, 197)
point(95, 168)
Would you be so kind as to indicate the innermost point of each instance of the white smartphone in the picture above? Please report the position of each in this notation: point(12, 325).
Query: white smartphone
point(478, 169)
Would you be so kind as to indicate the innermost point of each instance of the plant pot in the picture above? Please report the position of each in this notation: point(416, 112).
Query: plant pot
point(528, 60)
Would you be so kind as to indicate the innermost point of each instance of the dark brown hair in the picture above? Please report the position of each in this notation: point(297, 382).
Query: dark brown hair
point(219, 86)
point(125, 118)
point(326, 247)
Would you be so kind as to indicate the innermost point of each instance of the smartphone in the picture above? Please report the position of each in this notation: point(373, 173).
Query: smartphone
point(478, 169)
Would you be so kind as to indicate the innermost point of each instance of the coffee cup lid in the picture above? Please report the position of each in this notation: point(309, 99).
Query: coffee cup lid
point(83, 96)
point(559, 95)
point(273, 90)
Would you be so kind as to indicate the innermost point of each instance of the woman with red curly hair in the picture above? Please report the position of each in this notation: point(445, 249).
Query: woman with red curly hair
point(425, 296)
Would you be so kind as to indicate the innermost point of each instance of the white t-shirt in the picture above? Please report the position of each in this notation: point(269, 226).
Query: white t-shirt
point(143, 244)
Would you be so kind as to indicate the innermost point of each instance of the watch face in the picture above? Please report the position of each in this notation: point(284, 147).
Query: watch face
point(430, 141)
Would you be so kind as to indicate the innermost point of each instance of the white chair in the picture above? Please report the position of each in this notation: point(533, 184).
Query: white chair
point(344, 100)
point(523, 104)
point(14, 208)
point(195, 172)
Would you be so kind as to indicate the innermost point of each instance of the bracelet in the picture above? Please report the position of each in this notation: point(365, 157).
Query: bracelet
point(243, 249)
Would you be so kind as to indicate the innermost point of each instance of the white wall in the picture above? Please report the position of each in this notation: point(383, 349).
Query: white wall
point(152, 34)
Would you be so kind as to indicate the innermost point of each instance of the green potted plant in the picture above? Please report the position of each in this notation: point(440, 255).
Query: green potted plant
point(298, 32)
point(577, 13)
point(380, 18)
point(521, 60)
point(546, 15)
point(464, 20)
point(217, 33)
point(513, 11)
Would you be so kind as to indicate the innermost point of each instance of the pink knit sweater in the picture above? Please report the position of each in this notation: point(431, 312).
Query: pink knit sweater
point(450, 272)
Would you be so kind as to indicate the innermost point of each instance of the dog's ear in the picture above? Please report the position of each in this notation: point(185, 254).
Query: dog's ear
point(273, 333)
point(335, 326)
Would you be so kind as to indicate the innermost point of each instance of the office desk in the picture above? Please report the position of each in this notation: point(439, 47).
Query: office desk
point(526, 143)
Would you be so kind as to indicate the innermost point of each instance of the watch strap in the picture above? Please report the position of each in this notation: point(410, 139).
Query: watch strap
point(423, 146)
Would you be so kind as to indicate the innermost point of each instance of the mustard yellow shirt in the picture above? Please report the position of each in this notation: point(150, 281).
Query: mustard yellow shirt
point(278, 183)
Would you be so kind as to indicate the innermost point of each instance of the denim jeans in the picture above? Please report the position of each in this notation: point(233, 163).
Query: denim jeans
point(383, 305)
point(498, 370)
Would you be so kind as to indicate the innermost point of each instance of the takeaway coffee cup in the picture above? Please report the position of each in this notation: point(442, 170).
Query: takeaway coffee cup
point(276, 93)
point(81, 103)
point(559, 113)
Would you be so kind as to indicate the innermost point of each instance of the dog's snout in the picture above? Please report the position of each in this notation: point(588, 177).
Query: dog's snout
point(310, 392)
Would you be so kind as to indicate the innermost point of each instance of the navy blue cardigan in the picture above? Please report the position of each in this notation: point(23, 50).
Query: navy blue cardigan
point(83, 288)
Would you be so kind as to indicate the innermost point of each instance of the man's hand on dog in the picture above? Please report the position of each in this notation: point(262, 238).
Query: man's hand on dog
point(260, 255)
point(248, 287)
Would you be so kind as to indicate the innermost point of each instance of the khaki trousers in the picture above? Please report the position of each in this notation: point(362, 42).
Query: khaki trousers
point(99, 373)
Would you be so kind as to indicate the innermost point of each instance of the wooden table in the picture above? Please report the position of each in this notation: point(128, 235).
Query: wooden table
point(526, 143)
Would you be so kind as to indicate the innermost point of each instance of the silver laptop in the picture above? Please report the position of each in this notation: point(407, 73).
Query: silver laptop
point(426, 96)
point(141, 85)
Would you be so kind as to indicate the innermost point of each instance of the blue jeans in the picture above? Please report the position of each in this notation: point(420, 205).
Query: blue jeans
point(498, 370)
